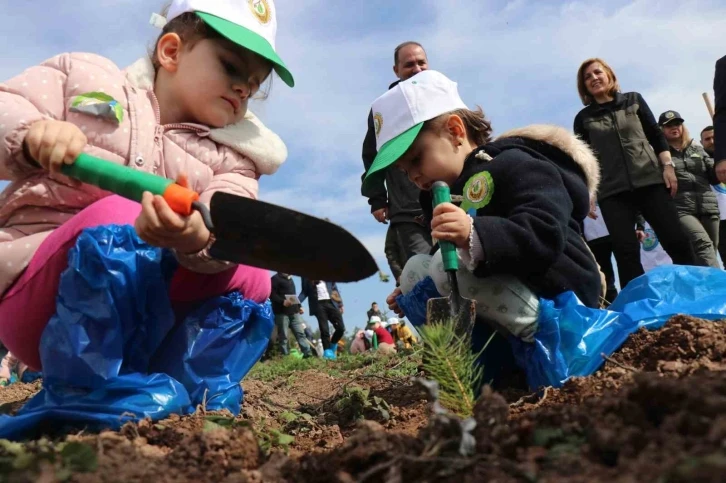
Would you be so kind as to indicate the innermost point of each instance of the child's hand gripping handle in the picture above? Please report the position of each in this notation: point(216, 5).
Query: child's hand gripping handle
point(448, 250)
point(129, 183)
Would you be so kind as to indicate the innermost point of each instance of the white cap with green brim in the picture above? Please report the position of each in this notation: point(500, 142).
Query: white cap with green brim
point(399, 114)
point(251, 24)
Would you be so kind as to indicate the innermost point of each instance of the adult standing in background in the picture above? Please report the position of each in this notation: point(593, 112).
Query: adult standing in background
point(393, 197)
point(695, 200)
point(707, 141)
point(719, 119)
point(637, 173)
point(287, 313)
point(326, 305)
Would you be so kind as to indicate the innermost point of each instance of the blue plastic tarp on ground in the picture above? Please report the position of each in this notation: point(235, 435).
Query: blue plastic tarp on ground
point(114, 351)
point(571, 338)
point(653, 298)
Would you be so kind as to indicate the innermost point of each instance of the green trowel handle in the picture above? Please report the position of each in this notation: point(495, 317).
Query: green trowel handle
point(448, 250)
point(130, 183)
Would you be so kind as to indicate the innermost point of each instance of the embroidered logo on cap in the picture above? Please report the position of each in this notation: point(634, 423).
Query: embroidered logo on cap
point(377, 122)
point(670, 115)
point(260, 9)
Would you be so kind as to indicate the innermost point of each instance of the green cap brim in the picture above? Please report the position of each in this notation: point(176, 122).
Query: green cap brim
point(391, 151)
point(249, 40)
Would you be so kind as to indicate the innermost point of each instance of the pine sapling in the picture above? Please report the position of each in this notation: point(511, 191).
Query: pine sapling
point(449, 360)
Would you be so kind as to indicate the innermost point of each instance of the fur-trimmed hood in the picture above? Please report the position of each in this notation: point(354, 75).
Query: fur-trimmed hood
point(564, 141)
point(248, 137)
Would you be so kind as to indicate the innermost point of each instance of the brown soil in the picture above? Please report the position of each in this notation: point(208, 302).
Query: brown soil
point(13, 397)
point(656, 411)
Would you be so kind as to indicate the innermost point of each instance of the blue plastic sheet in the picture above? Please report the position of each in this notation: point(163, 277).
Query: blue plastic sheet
point(663, 292)
point(571, 338)
point(114, 352)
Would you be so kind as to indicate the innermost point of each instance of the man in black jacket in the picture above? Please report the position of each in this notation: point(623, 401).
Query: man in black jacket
point(374, 310)
point(719, 119)
point(399, 203)
point(287, 313)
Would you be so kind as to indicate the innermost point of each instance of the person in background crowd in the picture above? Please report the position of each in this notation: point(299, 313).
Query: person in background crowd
point(308, 332)
point(383, 337)
point(695, 200)
point(402, 335)
point(598, 239)
point(8, 365)
point(637, 173)
point(326, 305)
point(707, 141)
point(359, 344)
point(399, 203)
point(374, 310)
point(287, 313)
point(719, 119)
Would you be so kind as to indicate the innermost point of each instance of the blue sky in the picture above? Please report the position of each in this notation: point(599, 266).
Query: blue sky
point(517, 59)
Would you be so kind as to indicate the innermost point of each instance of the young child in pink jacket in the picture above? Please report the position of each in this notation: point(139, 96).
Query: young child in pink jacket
point(181, 114)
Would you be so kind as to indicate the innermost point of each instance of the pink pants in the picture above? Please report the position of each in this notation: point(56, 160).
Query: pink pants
point(30, 303)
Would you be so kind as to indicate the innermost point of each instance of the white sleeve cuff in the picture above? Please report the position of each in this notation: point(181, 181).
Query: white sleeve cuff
point(475, 253)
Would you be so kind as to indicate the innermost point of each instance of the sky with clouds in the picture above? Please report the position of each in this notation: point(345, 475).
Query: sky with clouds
point(517, 59)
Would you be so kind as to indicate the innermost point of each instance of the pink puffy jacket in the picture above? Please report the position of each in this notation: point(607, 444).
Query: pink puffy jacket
point(230, 159)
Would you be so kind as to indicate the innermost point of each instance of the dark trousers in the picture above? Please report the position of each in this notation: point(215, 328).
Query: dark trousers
point(722, 242)
point(602, 248)
point(658, 209)
point(327, 312)
point(404, 240)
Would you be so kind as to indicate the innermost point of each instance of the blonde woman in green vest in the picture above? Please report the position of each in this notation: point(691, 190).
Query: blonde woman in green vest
point(696, 202)
point(637, 173)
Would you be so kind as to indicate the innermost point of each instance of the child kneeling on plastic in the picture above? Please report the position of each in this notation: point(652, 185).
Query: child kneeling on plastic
point(520, 200)
point(181, 114)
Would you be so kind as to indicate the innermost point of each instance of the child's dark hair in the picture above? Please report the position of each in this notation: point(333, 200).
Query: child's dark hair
point(188, 26)
point(191, 29)
point(478, 127)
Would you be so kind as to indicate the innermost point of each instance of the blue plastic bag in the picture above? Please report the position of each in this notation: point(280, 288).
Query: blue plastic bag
point(569, 341)
point(113, 325)
point(130, 397)
point(113, 309)
point(215, 348)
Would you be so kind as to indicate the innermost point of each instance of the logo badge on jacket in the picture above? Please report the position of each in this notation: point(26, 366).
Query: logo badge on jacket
point(98, 104)
point(478, 192)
